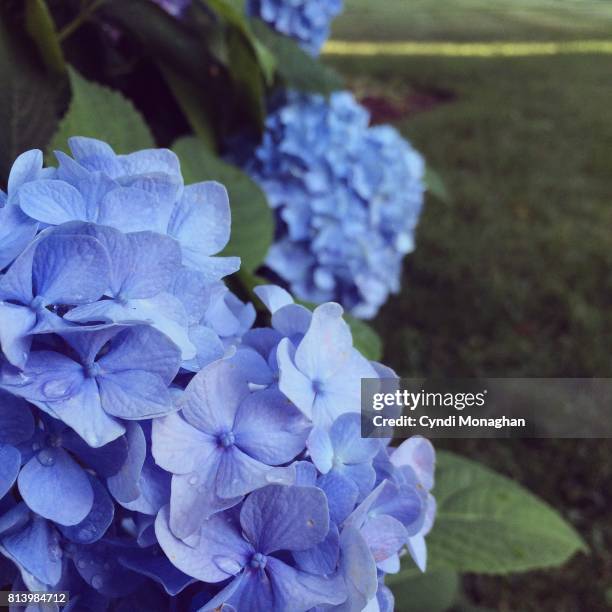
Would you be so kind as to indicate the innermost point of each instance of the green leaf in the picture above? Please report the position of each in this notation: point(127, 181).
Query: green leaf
point(252, 221)
point(100, 112)
point(417, 592)
point(435, 185)
point(232, 11)
point(488, 524)
point(297, 69)
point(365, 339)
point(31, 99)
point(41, 28)
point(193, 104)
point(247, 77)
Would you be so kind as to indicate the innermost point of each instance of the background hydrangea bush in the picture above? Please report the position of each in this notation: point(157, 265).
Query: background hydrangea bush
point(347, 198)
point(250, 475)
point(175, 432)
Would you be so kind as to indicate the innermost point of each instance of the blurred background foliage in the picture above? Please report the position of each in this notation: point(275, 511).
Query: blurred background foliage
point(512, 273)
point(513, 277)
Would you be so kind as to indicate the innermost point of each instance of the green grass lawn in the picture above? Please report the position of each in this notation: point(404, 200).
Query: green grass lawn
point(514, 276)
point(472, 20)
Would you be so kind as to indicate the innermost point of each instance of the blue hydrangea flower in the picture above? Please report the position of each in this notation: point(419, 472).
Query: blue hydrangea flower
point(93, 390)
point(246, 549)
point(158, 419)
point(347, 197)
point(132, 193)
point(225, 444)
point(306, 21)
point(52, 270)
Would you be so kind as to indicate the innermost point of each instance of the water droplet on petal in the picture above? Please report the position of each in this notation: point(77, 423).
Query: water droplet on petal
point(97, 581)
point(193, 480)
point(277, 476)
point(85, 534)
point(46, 457)
point(56, 389)
point(82, 563)
point(227, 564)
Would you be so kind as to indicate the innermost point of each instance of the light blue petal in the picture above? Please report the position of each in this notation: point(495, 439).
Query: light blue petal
point(212, 398)
point(179, 447)
point(36, 548)
point(16, 232)
point(26, 168)
point(300, 591)
point(52, 472)
point(220, 554)
point(70, 269)
point(53, 202)
point(295, 385)
point(269, 428)
point(95, 524)
point(134, 395)
point(16, 324)
point(273, 297)
point(281, 517)
point(201, 222)
point(123, 485)
point(131, 209)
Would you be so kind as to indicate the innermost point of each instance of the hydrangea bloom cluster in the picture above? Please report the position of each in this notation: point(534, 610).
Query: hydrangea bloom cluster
point(306, 21)
point(157, 451)
point(347, 197)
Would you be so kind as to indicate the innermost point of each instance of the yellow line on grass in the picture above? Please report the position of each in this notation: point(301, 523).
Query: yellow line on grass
point(488, 49)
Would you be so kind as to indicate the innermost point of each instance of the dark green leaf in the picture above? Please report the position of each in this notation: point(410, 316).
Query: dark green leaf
point(486, 523)
point(247, 77)
point(296, 68)
point(31, 99)
point(100, 112)
point(252, 222)
point(429, 592)
point(41, 28)
point(232, 11)
point(193, 104)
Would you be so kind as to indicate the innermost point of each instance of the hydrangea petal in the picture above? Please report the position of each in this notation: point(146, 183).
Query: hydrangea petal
point(300, 591)
point(212, 397)
point(131, 209)
point(53, 202)
point(16, 232)
point(281, 517)
point(134, 395)
point(194, 498)
point(220, 554)
point(179, 447)
point(10, 462)
point(201, 221)
point(70, 269)
point(15, 323)
point(36, 548)
point(51, 471)
point(95, 524)
point(25, 168)
point(269, 428)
